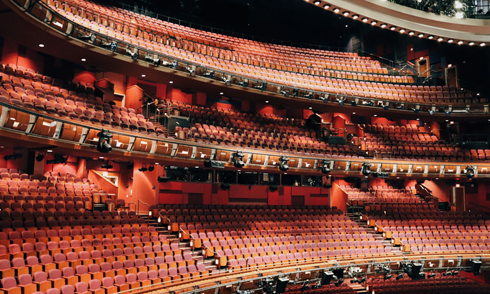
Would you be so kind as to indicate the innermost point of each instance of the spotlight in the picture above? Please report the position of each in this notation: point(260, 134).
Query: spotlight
point(470, 172)
point(107, 165)
point(134, 55)
point(467, 109)
point(399, 276)
point(431, 275)
point(143, 169)
point(325, 166)
point(283, 165)
point(151, 168)
point(353, 103)
point(455, 273)
point(238, 159)
point(104, 144)
point(447, 111)
point(154, 60)
point(285, 93)
point(58, 158)
point(295, 92)
point(387, 277)
point(325, 98)
point(89, 38)
point(354, 281)
point(191, 71)
point(39, 157)
point(416, 110)
point(364, 279)
point(110, 45)
point(446, 273)
point(226, 81)
point(386, 107)
point(341, 101)
point(431, 112)
point(366, 170)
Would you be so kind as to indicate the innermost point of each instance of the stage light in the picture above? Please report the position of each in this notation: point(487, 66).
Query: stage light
point(400, 276)
point(89, 38)
point(364, 279)
point(134, 55)
point(104, 143)
point(110, 45)
point(440, 39)
point(470, 172)
point(283, 165)
point(432, 275)
point(431, 112)
point(226, 81)
point(39, 157)
point(387, 277)
point(448, 111)
point(366, 169)
point(416, 110)
point(339, 282)
point(325, 166)
point(386, 107)
point(151, 168)
point(238, 159)
point(143, 169)
point(285, 93)
point(460, 42)
point(325, 98)
point(354, 281)
point(341, 101)
point(353, 103)
point(155, 60)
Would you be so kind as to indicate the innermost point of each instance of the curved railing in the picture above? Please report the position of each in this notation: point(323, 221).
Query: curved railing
point(56, 131)
point(66, 27)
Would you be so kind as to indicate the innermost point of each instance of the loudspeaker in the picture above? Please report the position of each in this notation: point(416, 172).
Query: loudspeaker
point(273, 188)
point(214, 164)
point(475, 266)
point(282, 283)
point(326, 277)
point(225, 186)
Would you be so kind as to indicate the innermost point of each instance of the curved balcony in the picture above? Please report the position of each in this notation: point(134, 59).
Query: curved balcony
point(406, 20)
point(455, 104)
point(29, 127)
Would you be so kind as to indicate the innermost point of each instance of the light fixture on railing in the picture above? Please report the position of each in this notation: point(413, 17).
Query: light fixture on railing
point(283, 163)
point(285, 93)
point(238, 159)
point(134, 55)
point(89, 38)
point(155, 60)
point(191, 71)
point(110, 45)
point(325, 166)
point(325, 98)
point(366, 169)
point(226, 81)
point(341, 101)
point(104, 143)
point(151, 168)
point(469, 172)
point(448, 110)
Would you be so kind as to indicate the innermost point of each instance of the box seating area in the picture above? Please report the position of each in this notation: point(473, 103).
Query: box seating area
point(437, 284)
point(381, 195)
point(21, 87)
point(126, 28)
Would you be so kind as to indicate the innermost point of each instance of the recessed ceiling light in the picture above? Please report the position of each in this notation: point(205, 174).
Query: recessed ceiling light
point(326, 6)
point(402, 31)
point(310, 107)
point(440, 39)
point(430, 37)
point(353, 113)
point(374, 22)
point(364, 20)
point(471, 43)
point(83, 59)
point(221, 93)
point(346, 13)
point(450, 65)
point(421, 58)
point(355, 16)
point(450, 40)
point(482, 44)
point(421, 35)
point(375, 115)
point(392, 28)
point(411, 33)
point(266, 101)
point(317, 2)
point(49, 150)
point(157, 163)
point(143, 76)
point(197, 166)
point(41, 45)
point(418, 118)
point(102, 157)
point(336, 10)
point(383, 25)
point(171, 82)
point(460, 42)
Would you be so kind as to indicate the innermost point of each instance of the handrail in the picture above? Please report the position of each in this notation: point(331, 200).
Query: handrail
point(139, 200)
point(129, 206)
point(243, 81)
point(479, 207)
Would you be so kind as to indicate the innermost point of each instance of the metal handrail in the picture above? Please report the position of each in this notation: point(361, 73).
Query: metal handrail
point(241, 80)
point(129, 206)
point(139, 200)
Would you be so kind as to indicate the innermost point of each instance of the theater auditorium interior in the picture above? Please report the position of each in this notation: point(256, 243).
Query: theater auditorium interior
point(244, 146)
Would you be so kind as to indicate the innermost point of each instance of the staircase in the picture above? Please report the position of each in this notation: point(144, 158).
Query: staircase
point(358, 288)
point(377, 236)
point(184, 246)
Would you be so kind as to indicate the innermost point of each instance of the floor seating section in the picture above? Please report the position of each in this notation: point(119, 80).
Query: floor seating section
point(437, 284)
point(433, 231)
point(382, 197)
point(344, 288)
point(327, 71)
